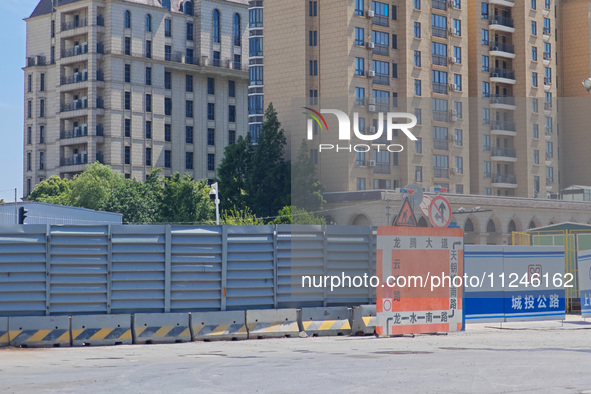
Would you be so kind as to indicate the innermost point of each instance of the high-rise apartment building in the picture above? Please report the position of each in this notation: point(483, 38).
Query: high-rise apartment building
point(371, 57)
point(513, 88)
point(136, 84)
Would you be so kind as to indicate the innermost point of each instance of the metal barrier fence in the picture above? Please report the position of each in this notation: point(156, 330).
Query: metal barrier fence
point(114, 269)
point(573, 241)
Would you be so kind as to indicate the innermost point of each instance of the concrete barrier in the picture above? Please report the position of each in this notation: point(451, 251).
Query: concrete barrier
point(101, 330)
point(272, 323)
point(161, 328)
point(4, 332)
point(326, 321)
point(364, 319)
point(39, 331)
point(211, 326)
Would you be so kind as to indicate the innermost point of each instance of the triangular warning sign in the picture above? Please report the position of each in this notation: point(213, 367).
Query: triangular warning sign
point(406, 217)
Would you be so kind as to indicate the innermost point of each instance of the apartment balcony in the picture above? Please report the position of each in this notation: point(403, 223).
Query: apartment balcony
point(547, 108)
point(75, 78)
point(79, 107)
point(501, 49)
point(506, 181)
point(503, 128)
point(380, 79)
point(74, 105)
point(382, 168)
point(438, 60)
point(502, 75)
point(439, 32)
point(440, 88)
point(547, 58)
point(504, 3)
point(39, 60)
point(549, 156)
point(439, 5)
point(441, 172)
point(100, 20)
point(499, 101)
point(77, 50)
point(73, 27)
point(441, 144)
point(546, 33)
point(381, 50)
point(503, 154)
point(501, 23)
point(77, 159)
point(380, 20)
point(440, 116)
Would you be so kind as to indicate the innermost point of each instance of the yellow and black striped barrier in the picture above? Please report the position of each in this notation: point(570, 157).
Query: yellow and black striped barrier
point(101, 330)
point(326, 321)
point(4, 332)
point(274, 323)
point(161, 328)
point(364, 319)
point(40, 331)
point(211, 326)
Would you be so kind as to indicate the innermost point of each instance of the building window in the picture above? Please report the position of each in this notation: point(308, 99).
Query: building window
point(127, 155)
point(210, 86)
point(148, 129)
point(417, 4)
point(210, 111)
point(127, 19)
point(485, 89)
point(485, 116)
point(533, 4)
point(535, 105)
point(547, 4)
point(167, 106)
point(459, 164)
point(457, 27)
point(52, 28)
point(394, 70)
point(419, 115)
point(29, 109)
point(359, 66)
point(549, 174)
point(232, 113)
point(211, 137)
point(128, 100)
point(485, 37)
point(417, 30)
point(487, 171)
point(459, 189)
point(29, 162)
point(148, 22)
point(485, 63)
point(417, 87)
point(313, 38)
point(210, 162)
point(394, 13)
point(189, 160)
point(237, 31)
point(167, 160)
point(128, 73)
point(148, 156)
point(42, 108)
point(536, 131)
point(359, 36)
point(534, 54)
point(536, 185)
point(360, 96)
point(189, 108)
point(231, 137)
point(189, 56)
point(148, 103)
point(313, 97)
point(458, 82)
point(216, 26)
point(149, 76)
point(486, 143)
point(41, 160)
point(167, 132)
point(30, 83)
point(29, 135)
point(127, 127)
point(484, 10)
point(313, 68)
point(167, 28)
point(536, 156)
point(534, 79)
point(534, 28)
point(127, 45)
point(231, 88)
point(419, 145)
point(418, 173)
point(190, 31)
point(167, 80)
point(394, 41)
point(360, 183)
point(189, 134)
point(417, 58)
point(458, 137)
point(188, 10)
point(458, 54)
point(42, 83)
point(189, 83)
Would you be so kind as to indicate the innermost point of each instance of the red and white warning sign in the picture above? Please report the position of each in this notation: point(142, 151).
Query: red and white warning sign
point(440, 212)
point(415, 294)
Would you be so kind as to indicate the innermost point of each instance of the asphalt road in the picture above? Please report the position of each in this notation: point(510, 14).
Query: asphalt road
point(542, 357)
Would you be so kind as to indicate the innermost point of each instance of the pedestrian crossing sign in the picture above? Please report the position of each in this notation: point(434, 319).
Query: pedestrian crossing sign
point(406, 217)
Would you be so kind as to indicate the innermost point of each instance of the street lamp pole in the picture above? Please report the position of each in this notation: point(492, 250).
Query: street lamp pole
point(214, 191)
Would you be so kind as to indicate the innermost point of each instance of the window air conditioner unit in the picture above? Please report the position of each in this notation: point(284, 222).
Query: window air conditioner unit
point(456, 170)
point(372, 163)
point(453, 86)
point(372, 108)
point(372, 101)
point(454, 60)
point(371, 73)
point(453, 31)
point(371, 13)
point(371, 45)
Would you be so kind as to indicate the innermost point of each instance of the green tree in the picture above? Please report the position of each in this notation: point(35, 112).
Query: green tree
point(93, 188)
point(306, 191)
point(269, 177)
point(233, 174)
point(293, 215)
point(185, 201)
point(240, 217)
point(54, 190)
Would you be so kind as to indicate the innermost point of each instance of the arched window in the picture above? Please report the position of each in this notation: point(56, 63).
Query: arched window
point(188, 8)
point(469, 226)
point(148, 22)
point(490, 227)
point(216, 26)
point(532, 224)
point(127, 19)
point(237, 31)
point(512, 227)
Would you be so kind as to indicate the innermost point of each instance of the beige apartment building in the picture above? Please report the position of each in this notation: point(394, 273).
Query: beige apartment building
point(369, 57)
point(514, 135)
point(135, 84)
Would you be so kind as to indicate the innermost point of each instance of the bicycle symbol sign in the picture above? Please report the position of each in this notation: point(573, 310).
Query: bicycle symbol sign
point(440, 212)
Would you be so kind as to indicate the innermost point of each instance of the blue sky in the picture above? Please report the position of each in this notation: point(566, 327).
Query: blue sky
point(12, 50)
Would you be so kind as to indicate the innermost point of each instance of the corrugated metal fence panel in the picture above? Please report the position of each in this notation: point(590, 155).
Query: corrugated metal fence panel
point(22, 270)
point(196, 269)
point(349, 253)
point(300, 252)
point(250, 267)
point(138, 269)
point(79, 269)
